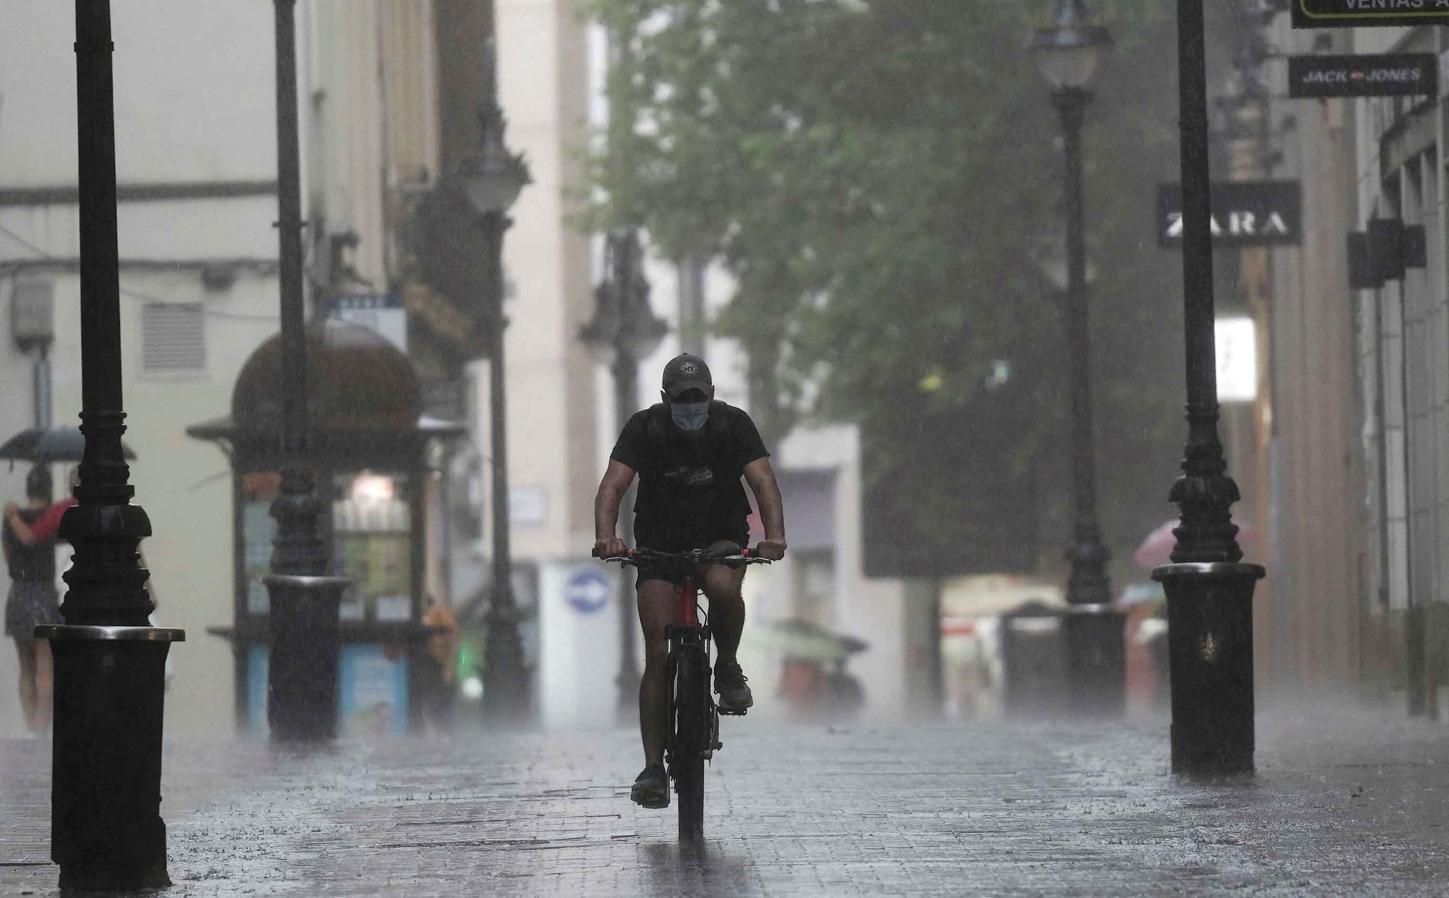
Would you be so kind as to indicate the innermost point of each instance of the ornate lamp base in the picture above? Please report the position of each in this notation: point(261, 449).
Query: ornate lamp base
point(110, 686)
point(1210, 638)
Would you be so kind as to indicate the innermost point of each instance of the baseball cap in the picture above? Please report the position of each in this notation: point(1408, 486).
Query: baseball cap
point(686, 372)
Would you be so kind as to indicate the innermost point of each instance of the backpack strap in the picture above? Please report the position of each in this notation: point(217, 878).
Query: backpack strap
point(658, 439)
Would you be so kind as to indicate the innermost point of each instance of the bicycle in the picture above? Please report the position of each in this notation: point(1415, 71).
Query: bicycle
point(692, 717)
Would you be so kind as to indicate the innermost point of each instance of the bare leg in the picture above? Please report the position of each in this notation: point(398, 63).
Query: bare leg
point(658, 608)
point(726, 607)
point(27, 683)
point(44, 685)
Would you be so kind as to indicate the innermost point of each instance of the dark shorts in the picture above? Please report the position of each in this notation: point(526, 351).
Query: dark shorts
point(29, 605)
point(674, 573)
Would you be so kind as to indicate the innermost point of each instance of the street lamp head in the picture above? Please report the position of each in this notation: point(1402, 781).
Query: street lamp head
point(601, 333)
point(1069, 51)
point(644, 333)
point(641, 331)
point(493, 179)
point(623, 319)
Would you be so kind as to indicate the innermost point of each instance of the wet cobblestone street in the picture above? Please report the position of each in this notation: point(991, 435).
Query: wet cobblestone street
point(1352, 805)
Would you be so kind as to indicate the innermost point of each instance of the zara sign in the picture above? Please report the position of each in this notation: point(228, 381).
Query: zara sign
point(1244, 213)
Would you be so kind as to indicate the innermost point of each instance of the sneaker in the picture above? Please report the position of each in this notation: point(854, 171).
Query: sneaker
point(734, 691)
point(651, 787)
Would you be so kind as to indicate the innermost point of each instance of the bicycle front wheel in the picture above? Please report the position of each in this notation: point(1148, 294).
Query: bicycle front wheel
point(691, 697)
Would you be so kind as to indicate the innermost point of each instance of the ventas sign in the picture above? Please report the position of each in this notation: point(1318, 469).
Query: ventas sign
point(1360, 13)
point(1244, 213)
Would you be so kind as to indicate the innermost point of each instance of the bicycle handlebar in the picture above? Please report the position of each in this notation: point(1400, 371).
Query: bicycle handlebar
point(695, 556)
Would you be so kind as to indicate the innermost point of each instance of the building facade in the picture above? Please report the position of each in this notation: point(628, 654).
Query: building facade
point(1402, 332)
point(389, 94)
point(1310, 611)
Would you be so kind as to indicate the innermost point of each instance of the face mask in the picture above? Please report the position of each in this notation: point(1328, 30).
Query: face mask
point(690, 416)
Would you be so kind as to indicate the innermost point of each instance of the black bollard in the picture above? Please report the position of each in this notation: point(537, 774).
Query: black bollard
point(1033, 661)
point(302, 667)
point(1096, 660)
point(106, 827)
point(1210, 651)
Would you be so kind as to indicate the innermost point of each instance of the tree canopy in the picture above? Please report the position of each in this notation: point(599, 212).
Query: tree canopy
point(881, 177)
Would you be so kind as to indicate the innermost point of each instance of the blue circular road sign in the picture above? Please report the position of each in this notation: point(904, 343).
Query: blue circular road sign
point(587, 589)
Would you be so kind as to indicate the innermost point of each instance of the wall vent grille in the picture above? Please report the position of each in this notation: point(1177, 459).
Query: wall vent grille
point(173, 338)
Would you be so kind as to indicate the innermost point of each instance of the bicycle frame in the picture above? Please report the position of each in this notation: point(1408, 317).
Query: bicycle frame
point(688, 593)
point(689, 635)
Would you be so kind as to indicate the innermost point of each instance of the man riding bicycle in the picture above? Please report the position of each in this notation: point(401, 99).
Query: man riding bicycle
point(689, 453)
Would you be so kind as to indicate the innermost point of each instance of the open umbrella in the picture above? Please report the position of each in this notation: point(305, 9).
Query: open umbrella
point(49, 444)
point(803, 640)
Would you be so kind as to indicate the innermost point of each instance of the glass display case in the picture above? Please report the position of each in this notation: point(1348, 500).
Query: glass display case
point(371, 545)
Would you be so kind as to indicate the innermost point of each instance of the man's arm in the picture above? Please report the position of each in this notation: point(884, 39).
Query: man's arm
point(612, 488)
point(17, 525)
point(47, 526)
point(761, 478)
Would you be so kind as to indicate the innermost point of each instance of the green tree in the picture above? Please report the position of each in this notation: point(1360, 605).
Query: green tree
point(879, 175)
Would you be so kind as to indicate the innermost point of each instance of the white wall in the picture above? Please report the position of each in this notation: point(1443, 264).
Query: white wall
point(194, 102)
point(551, 378)
point(194, 87)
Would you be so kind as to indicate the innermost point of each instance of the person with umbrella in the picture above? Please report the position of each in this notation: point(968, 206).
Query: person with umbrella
point(44, 527)
point(33, 599)
point(42, 446)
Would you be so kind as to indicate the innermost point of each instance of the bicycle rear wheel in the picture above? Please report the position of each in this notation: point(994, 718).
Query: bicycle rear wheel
point(691, 697)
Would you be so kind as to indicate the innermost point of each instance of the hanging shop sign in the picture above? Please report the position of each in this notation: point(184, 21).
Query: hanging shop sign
point(382, 312)
point(1368, 13)
point(1244, 213)
point(1384, 251)
point(1394, 75)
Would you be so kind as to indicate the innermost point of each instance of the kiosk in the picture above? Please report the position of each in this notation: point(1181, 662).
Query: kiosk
point(379, 463)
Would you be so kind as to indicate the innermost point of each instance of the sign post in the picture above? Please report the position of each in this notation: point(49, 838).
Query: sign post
point(1369, 13)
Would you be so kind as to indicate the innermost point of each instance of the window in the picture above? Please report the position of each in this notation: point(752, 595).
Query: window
point(173, 338)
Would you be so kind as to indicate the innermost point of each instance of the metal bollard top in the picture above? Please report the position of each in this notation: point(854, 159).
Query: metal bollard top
point(307, 581)
point(1209, 569)
point(114, 634)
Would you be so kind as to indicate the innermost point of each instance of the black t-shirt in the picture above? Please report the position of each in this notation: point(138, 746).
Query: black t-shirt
point(29, 563)
point(690, 493)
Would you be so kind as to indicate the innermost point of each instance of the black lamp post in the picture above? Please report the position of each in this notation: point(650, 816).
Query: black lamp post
point(1068, 53)
point(106, 827)
point(623, 331)
point(303, 599)
point(491, 181)
point(1209, 590)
